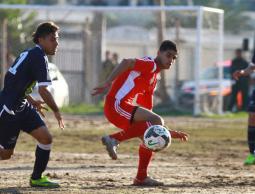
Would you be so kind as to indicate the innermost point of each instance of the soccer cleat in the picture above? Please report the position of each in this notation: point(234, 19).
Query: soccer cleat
point(148, 181)
point(43, 182)
point(111, 146)
point(250, 160)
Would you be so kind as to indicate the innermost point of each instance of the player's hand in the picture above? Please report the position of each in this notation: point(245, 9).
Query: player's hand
point(60, 120)
point(238, 74)
point(100, 89)
point(39, 106)
point(179, 135)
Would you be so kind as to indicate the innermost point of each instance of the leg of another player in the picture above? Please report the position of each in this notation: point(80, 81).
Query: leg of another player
point(251, 139)
point(5, 154)
point(42, 154)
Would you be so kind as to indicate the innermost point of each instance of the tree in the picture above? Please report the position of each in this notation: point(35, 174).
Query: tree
point(162, 91)
point(20, 27)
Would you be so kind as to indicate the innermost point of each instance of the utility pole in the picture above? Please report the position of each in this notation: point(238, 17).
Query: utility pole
point(177, 41)
point(165, 98)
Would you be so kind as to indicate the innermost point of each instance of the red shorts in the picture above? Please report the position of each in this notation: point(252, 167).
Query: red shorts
point(120, 113)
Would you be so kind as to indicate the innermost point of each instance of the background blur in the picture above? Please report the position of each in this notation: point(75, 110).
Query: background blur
point(96, 35)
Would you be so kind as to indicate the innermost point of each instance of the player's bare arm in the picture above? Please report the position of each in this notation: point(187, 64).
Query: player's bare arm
point(244, 72)
point(48, 99)
point(123, 66)
point(38, 104)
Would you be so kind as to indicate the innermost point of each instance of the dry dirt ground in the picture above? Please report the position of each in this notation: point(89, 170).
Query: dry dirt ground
point(211, 162)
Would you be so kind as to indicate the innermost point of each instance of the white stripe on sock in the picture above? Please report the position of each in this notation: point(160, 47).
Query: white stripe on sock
point(44, 147)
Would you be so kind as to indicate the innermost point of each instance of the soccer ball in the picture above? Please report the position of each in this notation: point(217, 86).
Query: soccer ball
point(156, 138)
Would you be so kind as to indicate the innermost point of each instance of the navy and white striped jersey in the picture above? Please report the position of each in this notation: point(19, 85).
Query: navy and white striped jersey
point(30, 67)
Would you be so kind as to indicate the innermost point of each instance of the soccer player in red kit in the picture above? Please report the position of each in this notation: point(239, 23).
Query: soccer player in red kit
point(129, 103)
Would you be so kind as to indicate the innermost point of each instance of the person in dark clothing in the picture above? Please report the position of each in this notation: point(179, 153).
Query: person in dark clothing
point(19, 111)
point(250, 160)
point(107, 66)
point(241, 84)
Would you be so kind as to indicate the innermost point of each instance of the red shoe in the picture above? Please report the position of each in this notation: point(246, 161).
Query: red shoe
point(148, 181)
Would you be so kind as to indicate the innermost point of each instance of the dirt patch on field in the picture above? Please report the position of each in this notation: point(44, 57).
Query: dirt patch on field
point(210, 163)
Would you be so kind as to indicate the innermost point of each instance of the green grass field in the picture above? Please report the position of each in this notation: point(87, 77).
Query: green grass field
point(84, 135)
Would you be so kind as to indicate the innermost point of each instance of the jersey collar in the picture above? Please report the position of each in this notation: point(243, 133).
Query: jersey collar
point(46, 58)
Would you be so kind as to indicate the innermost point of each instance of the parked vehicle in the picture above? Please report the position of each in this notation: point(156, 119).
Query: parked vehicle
point(58, 89)
point(209, 88)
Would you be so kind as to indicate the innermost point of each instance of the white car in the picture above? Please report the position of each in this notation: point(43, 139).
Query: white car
point(209, 88)
point(58, 89)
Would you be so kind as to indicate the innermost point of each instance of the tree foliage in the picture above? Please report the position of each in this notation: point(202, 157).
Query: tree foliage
point(20, 26)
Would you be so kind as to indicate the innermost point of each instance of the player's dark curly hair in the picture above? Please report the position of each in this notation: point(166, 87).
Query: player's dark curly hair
point(43, 30)
point(168, 45)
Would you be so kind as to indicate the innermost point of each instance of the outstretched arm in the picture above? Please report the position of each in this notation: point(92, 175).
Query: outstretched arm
point(49, 100)
point(38, 104)
point(123, 66)
point(179, 135)
point(244, 72)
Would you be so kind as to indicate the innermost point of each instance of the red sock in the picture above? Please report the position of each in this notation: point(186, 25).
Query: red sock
point(120, 136)
point(136, 130)
point(145, 156)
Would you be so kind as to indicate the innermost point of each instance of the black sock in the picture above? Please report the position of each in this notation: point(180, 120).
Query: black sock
point(251, 138)
point(41, 160)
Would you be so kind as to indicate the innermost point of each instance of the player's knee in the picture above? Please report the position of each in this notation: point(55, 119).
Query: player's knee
point(49, 140)
point(5, 155)
point(157, 120)
point(46, 139)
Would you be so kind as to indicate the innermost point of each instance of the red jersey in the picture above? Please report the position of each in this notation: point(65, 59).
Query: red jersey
point(138, 83)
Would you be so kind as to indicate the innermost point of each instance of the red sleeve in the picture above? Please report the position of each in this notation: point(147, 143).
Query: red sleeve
point(144, 66)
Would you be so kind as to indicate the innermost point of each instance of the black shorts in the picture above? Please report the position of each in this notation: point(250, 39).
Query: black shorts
point(26, 119)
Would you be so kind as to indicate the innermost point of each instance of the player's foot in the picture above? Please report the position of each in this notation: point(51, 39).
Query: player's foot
point(43, 182)
point(148, 181)
point(111, 146)
point(250, 160)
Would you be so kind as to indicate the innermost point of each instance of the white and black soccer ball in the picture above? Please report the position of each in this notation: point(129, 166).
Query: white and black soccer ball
point(156, 138)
